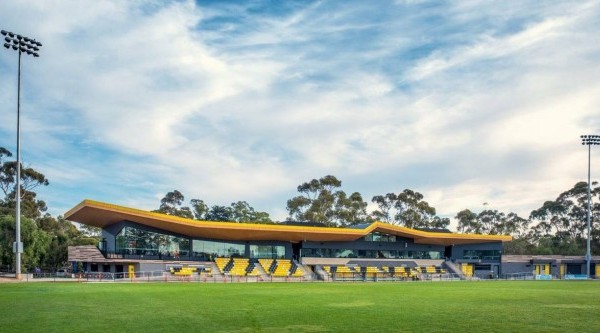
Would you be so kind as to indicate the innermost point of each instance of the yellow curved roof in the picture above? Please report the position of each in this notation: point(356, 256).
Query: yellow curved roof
point(100, 214)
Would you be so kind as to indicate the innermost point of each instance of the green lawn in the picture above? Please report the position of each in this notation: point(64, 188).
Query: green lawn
point(496, 306)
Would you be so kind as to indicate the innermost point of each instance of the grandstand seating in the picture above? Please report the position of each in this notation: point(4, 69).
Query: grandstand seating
point(281, 267)
point(236, 267)
point(183, 271)
point(289, 268)
point(284, 268)
point(371, 271)
point(404, 272)
point(252, 270)
point(296, 271)
point(268, 265)
point(401, 272)
point(432, 270)
point(221, 263)
point(343, 271)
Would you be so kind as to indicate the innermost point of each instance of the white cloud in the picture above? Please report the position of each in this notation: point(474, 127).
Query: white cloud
point(466, 102)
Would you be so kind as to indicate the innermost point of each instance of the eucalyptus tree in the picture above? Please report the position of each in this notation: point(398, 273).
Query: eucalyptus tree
point(566, 214)
point(172, 204)
point(321, 200)
point(31, 206)
point(492, 222)
point(407, 208)
point(239, 211)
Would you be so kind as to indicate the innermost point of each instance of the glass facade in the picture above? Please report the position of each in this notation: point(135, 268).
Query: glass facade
point(380, 237)
point(267, 251)
point(136, 241)
point(381, 254)
point(210, 250)
point(482, 254)
point(421, 255)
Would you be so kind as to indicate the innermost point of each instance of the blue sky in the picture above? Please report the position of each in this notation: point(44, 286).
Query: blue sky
point(464, 101)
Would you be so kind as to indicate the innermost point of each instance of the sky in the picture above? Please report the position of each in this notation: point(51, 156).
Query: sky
point(474, 104)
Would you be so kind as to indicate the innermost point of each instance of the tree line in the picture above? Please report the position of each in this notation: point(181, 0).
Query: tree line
point(320, 201)
point(45, 238)
point(557, 227)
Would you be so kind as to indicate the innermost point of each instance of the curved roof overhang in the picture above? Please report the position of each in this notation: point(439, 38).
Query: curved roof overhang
point(99, 214)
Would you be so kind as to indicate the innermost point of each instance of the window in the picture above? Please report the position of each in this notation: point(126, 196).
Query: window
point(267, 251)
point(365, 253)
point(379, 254)
point(345, 254)
point(420, 254)
point(210, 249)
point(482, 254)
point(387, 254)
point(428, 255)
point(136, 241)
point(379, 237)
point(348, 253)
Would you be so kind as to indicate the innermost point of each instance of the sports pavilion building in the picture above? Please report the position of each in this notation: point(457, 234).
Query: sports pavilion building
point(134, 240)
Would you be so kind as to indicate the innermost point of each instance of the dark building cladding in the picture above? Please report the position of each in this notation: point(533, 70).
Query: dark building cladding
point(144, 238)
point(135, 234)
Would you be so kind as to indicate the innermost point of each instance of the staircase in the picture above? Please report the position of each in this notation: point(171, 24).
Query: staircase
point(261, 271)
point(321, 273)
point(308, 274)
point(214, 270)
point(452, 268)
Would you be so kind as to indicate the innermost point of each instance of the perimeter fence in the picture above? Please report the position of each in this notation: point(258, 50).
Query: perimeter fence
point(166, 276)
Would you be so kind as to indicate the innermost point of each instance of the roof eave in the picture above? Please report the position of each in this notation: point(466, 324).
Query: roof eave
point(101, 214)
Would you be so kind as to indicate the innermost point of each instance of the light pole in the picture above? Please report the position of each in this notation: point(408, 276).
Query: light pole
point(29, 46)
point(589, 140)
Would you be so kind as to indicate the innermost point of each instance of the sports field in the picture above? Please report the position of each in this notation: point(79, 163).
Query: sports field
point(494, 306)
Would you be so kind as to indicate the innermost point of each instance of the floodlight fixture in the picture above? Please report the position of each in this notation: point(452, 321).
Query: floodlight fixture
point(589, 140)
point(22, 45)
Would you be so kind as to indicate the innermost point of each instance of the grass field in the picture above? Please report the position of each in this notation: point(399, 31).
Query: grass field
point(495, 306)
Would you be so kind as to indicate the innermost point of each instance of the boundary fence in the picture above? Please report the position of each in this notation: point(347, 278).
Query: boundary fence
point(203, 277)
point(361, 277)
point(157, 276)
point(518, 276)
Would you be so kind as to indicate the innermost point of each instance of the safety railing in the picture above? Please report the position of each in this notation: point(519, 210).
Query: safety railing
point(319, 276)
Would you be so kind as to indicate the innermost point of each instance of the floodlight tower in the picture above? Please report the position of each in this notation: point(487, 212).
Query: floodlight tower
point(30, 46)
point(589, 140)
